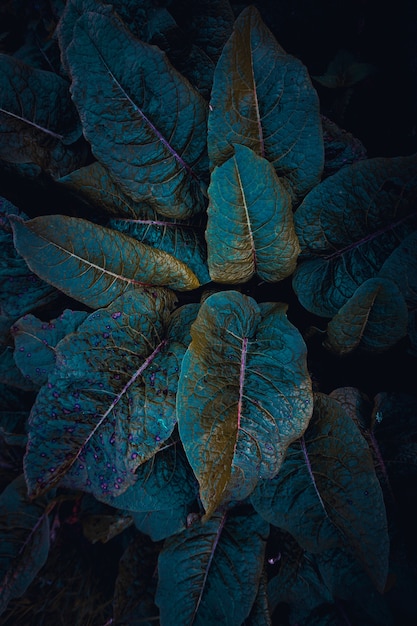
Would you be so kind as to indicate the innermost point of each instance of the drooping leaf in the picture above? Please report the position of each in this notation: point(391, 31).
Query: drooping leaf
point(250, 225)
point(401, 267)
point(244, 395)
point(374, 319)
point(38, 121)
point(24, 527)
point(262, 98)
point(209, 574)
point(326, 493)
point(154, 140)
point(94, 264)
point(35, 342)
point(109, 404)
point(348, 226)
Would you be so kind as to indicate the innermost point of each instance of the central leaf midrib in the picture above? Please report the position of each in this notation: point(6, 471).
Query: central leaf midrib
point(51, 133)
point(247, 216)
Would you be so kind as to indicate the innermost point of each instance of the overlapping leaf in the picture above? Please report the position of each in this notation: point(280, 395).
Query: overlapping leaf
point(327, 494)
point(349, 225)
point(209, 574)
point(94, 264)
point(244, 395)
point(262, 98)
point(401, 267)
point(250, 225)
point(109, 404)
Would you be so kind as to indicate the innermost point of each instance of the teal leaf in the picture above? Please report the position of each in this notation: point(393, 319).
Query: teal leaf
point(109, 404)
point(341, 148)
point(250, 225)
point(11, 375)
point(260, 614)
point(374, 319)
point(211, 24)
point(94, 264)
point(401, 267)
point(35, 342)
point(349, 225)
point(154, 141)
point(25, 540)
point(244, 395)
point(327, 493)
point(263, 98)
point(209, 574)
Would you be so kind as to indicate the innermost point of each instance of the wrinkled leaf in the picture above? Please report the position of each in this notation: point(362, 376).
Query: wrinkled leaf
point(94, 264)
point(250, 225)
point(374, 319)
point(209, 574)
point(401, 267)
point(211, 24)
point(349, 225)
point(327, 494)
point(109, 404)
point(244, 395)
point(262, 98)
point(153, 142)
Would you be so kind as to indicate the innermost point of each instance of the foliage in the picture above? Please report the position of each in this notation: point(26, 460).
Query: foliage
point(166, 347)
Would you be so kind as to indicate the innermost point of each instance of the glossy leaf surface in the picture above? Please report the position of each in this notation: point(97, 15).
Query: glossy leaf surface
point(262, 98)
point(244, 395)
point(209, 574)
point(94, 264)
point(250, 225)
point(349, 225)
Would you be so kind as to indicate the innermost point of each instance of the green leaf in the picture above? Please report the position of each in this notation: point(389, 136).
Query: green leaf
point(25, 540)
point(109, 404)
point(374, 319)
point(349, 225)
point(244, 395)
point(250, 225)
point(263, 98)
point(94, 264)
point(327, 494)
point(153, 142)
point(209, 574)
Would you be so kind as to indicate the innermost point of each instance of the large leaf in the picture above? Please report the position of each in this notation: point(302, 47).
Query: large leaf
point(349, 225)
point(94, 264)
point(244, 394)
point(262, 98)
point(250, 225)
point(374, 319)
point(153, 141)
point(209, 574)
point(38, 121)
point(25, 540)
point(109, 404)
point(327, 494)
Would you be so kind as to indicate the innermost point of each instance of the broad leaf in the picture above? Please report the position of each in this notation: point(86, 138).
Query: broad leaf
point(327, 494)
point(401, 267)
point(153, 142)
point(374, 319)
point(262, 98)
point(260, 613)
point(244, 395)
point(109, 404)
point(250, 225)
point(349, 225)
point(10, 374)
point(209, 574)
point(94, 264)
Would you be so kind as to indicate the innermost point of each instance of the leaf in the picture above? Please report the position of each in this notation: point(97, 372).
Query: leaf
point(401, 267)
point(341, 148)
point(109, 405)
point(38, 121)
point(250, 225)
point(211, 24)
point(103, 528)
point(94, 264)
point(10, 374)
point(262, 98)
point(35, 342)
point(260, 614)
point(244, 395)
point(349, 225)
point(327, 494)
point(154, 141)
point(374, 319)
point(210, 573)
point(24, 528)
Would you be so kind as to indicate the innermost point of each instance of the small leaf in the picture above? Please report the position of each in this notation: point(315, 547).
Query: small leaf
point(94, 264)
point(250, 225)
point(210, 573)
point(244, 395)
